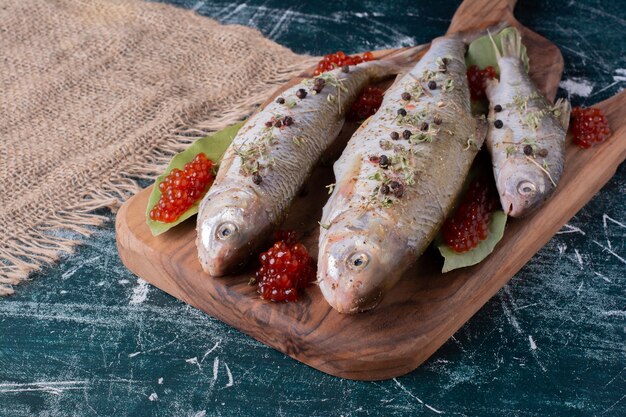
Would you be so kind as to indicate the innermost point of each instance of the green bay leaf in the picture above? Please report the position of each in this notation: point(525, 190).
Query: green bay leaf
point(213, 146)
point(454, 260)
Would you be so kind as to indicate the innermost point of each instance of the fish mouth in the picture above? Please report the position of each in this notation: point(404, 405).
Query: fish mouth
point(513, 207)
point(367, 303)
point(507, 205)
point(347, 276)
point(348, 299)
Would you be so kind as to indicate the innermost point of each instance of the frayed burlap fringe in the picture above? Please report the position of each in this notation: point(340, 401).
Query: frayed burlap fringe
point(102, 93)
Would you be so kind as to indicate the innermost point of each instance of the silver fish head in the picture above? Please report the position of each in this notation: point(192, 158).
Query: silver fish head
point(225, 240)
point(357, 265)
point(523, 188)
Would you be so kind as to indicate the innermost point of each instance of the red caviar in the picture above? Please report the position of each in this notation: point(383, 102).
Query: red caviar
point(285, 269)
point(339, 59)
point(366, 104)
point(181, 189)
point(470, 223)
point(476, 78)
point(590, 127)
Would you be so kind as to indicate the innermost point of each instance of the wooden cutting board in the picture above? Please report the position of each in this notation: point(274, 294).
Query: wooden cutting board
point(426, 307)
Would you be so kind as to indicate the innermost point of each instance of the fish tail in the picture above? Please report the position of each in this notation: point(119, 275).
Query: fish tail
point(563, 108)
point(495, 47)
point(471, 36)
point(511, 44)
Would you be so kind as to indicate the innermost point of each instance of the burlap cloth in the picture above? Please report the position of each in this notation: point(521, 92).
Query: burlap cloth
point(94, 94)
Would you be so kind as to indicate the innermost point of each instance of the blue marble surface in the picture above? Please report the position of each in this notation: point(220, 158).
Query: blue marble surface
point(86, 337)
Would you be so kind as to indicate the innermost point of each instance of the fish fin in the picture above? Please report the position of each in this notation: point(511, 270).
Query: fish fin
point(564, 109)
point(511, 44)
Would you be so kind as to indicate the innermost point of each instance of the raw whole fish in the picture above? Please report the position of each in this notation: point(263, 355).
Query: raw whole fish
point(398, 179)
point(271, 157)
point(526, 135)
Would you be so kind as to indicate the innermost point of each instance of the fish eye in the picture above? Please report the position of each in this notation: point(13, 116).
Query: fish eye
point(526, 188)
point(226, 230)
point(358, 261)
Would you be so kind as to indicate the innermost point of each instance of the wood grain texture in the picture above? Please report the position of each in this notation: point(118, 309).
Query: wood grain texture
point(424, 309)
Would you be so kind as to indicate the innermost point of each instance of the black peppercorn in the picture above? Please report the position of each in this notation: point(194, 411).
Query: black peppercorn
point(424, 127)
point(280, 100)
point(256, 178)
point(432, 85)
point(498, 124)
point(384, 189)
point(345, 68)
point(437, 120)
point(402, 112)
point(406, 134)
point(288, 121)
point(543, 153)
point(318, 85)
point(406, 96)
point(497, 108)
point(301, 93)
point(278, 123)
point(383, 161)
point(397, 188)
point(394, 135)
point(528, 150)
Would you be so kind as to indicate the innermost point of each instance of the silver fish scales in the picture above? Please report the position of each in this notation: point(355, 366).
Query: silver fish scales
point(272, 156)
point(392, 196)
point(526, 137)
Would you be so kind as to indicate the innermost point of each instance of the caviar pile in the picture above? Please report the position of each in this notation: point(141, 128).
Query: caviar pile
point(476, 78)
point(339, 59)
point(470, 222)
point(181, 189)
point(590, 127)
point(285, 268)
point(366, 104)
